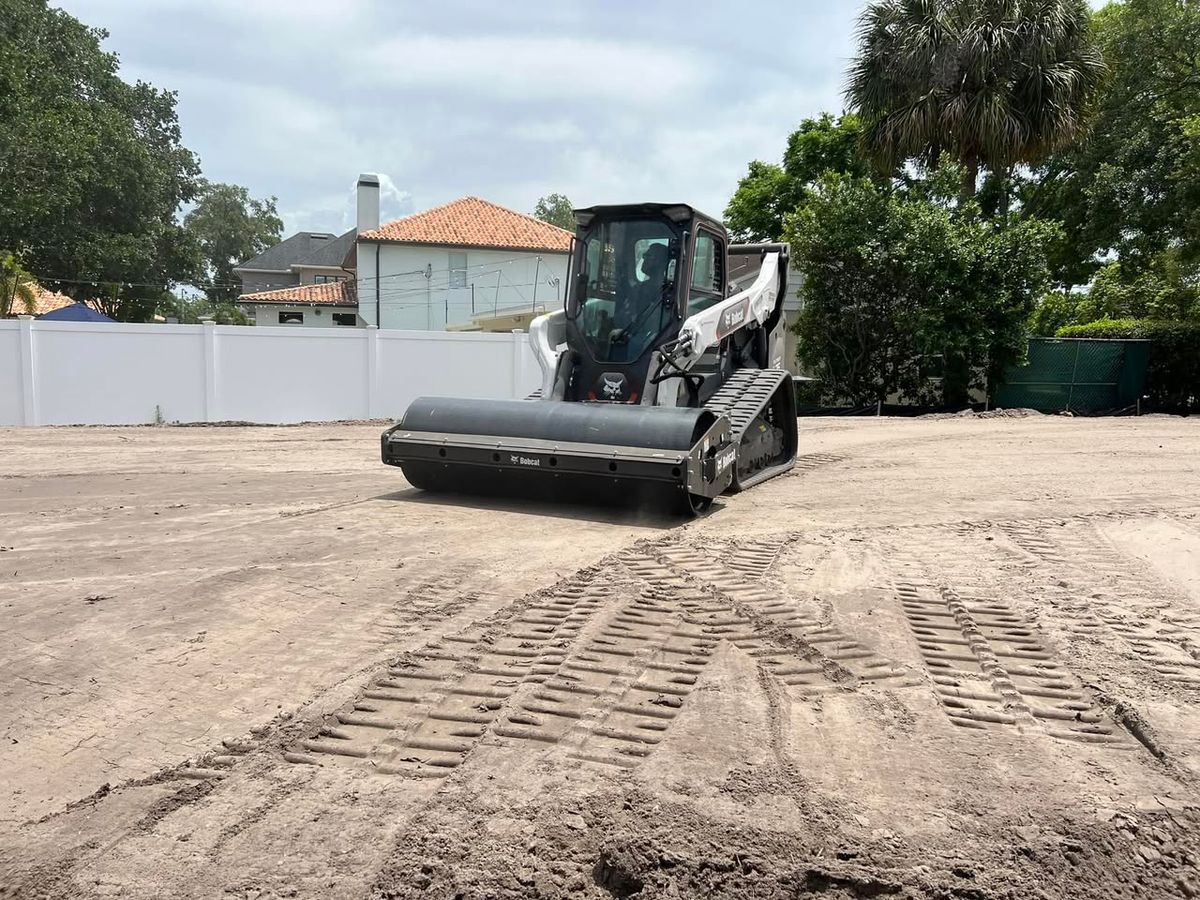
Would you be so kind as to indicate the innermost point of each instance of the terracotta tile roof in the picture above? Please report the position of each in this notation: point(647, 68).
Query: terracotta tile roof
point(44, 301)
point(333, 293)
point(471, 222)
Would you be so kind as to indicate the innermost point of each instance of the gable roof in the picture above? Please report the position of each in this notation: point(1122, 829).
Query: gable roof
point(331, 253)
point(333, 293)
point(299, 249)
point(472, 222)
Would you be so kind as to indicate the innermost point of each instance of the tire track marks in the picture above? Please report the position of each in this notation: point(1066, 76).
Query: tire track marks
point(989, 666)
point(1100, 589)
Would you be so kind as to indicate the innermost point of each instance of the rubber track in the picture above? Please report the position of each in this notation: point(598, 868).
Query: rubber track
point(743, 397)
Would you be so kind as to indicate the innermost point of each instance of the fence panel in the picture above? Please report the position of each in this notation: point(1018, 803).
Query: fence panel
point(68, 373)
point(274, 374)
point(1076, 374)
point(12, 389)
point(89, 372)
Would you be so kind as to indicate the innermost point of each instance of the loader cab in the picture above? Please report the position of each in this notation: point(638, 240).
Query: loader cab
point(638, 272)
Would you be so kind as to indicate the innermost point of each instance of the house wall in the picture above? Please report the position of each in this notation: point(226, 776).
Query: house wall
point(408, 300)
point(308, 274)
point(82, 373)
point(253, 282)
point(314, 316)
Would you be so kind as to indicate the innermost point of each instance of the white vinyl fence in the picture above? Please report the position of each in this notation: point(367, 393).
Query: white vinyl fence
point(76, 373)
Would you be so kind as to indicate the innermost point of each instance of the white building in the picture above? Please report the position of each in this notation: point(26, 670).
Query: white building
point(453, 264)
point(326, 304)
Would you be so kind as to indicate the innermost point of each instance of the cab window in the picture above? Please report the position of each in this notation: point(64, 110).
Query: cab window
point(707, 275)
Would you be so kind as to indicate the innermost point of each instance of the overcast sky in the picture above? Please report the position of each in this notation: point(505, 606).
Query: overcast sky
point(603, 101)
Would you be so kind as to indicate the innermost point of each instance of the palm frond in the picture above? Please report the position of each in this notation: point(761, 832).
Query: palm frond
point(997, 81)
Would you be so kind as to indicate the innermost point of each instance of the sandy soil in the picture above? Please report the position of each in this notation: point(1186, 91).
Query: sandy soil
point(943, 658)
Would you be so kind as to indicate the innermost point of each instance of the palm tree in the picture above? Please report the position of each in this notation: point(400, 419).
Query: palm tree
point(18, 290)
point(993, 83)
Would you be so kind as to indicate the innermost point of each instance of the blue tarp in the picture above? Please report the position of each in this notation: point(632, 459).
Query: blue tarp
point(76, 312)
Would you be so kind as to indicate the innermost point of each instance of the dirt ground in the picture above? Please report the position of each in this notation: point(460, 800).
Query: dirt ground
point(949, 657)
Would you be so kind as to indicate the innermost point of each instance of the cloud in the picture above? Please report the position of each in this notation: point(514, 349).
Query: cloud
point(532, 69)
point(604, 102)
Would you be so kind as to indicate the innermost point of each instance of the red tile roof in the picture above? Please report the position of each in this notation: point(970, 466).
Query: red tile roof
point(333, 293)
point(44, 301)
point(471, 222)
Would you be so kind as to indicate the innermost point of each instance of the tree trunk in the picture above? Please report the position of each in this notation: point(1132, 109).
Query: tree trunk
point(970, 177)
point(1005, 175)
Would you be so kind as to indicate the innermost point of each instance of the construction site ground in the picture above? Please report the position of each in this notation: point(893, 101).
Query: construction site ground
point(945, 657)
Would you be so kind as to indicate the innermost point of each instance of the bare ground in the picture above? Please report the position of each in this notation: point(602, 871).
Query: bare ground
point(944, 658)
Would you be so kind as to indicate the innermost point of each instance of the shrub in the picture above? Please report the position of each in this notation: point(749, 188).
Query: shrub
point(1173, 376)
point(901, 284)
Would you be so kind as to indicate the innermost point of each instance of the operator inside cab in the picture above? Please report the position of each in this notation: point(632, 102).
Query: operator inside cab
point(628, 269)
point(638, 317)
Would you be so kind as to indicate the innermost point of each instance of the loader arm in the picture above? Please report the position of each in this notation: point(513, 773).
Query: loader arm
point(751, 308)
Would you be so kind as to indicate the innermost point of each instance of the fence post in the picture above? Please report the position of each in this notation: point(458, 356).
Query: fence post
point(1074, 372)
point(517, 334)
point(372, 371)
point(209, 333)
point(29, 404)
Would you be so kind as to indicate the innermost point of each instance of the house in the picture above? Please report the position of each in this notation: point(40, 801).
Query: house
point(307, 279)
point(308, 257)
point(44, 301)
point(467, 265)
point(331, 303)
point(453, 264)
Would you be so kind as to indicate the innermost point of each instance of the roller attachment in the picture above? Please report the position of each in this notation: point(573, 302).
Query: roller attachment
point(646, 455)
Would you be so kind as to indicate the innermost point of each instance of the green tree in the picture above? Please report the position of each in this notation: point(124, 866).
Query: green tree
point(903, 284)
point(769, 191)
point(992, 83)
point(18, 290)
point(1132, 187)
point(229, 227)
point(190, 310)
point(92, 168)
point(557, 210)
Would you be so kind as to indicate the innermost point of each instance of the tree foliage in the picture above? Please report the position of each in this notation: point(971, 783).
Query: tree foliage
point(903, 284)
point(555, 209)
point(770, 191)
point(1164, 289)
point(992, 83)
point(92, 168)
point(1132, 187)
point(229, 227)
point(18, 289)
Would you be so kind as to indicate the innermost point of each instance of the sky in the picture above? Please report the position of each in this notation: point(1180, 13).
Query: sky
point(606, 102)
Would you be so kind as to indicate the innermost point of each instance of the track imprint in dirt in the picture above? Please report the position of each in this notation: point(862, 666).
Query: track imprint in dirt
point(792, 640)
point(597, 665)
point(989, 667)
point(806, 461)
point(1104, 590)
point(427, 711)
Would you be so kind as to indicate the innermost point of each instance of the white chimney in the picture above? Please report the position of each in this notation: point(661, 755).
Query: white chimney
point(368, 202)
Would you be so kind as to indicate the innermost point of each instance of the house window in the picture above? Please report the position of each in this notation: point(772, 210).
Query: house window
point(345, 319)
point(291, 318)
point(458, 270)
point(706, 273)
point(328, 279)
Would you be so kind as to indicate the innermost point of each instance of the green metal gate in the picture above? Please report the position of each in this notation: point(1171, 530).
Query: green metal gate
point(1081, 375)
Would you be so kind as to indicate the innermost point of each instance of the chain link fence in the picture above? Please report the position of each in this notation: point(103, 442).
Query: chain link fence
point(1078, 375)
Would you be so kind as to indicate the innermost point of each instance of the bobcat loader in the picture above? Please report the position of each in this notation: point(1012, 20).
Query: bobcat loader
point(662, 376)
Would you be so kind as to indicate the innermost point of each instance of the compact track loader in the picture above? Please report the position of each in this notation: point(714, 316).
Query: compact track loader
point(662, 377)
